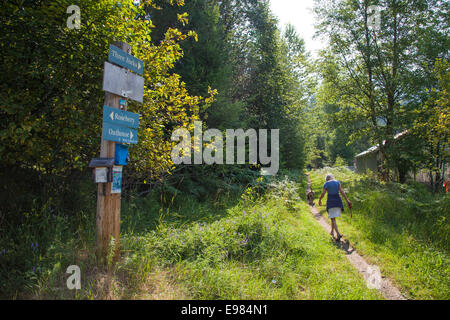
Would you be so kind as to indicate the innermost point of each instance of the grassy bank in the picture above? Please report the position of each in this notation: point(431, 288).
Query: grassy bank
point(259, 245)
point(402, 228)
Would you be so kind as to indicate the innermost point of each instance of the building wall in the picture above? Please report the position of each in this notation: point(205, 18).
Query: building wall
point(369, 162)
point(424, 175)
point(366, 162)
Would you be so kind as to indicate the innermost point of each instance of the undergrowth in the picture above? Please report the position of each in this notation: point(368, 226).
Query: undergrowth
point(402, 227)
point(263, 244)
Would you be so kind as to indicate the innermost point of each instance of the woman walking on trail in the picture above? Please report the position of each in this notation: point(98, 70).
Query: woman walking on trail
point(334, 201)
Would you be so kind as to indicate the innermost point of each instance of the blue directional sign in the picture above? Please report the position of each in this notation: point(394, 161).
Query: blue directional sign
point(119, 134)
point(120, 117)
point(125, 60)
point(120, 126)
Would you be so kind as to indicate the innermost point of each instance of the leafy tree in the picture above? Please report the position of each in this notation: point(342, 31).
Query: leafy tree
point(51, 95)
point(273, 90)
point(340, 162)
point(433, 123)
point(374, 77)
point(207, 59)
point(259, 73)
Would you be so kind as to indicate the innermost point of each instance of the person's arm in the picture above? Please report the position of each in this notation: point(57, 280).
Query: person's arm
point(322, 195)
point(345, 196)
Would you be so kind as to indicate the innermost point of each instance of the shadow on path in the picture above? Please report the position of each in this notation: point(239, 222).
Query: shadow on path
point(382, 284)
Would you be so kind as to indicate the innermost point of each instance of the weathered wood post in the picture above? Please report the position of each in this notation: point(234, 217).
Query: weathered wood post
point(119, 126)
point(108, 204)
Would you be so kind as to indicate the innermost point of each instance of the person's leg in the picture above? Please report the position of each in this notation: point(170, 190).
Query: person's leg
point(336, 228)
point(333, 221)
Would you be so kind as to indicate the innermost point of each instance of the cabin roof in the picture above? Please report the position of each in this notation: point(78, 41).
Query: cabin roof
point(375, 148)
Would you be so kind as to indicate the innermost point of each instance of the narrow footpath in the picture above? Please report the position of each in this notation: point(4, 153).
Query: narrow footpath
point(386, 288)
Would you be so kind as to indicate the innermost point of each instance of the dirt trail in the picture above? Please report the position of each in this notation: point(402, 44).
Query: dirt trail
point(386, 288)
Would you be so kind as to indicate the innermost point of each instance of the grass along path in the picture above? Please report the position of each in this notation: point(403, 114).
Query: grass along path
point(263, 247)
point(401, 228)
point(286, 256)
point(385, 286)
point(263, 250)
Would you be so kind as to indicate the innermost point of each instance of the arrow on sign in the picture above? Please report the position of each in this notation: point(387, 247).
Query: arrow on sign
point(119, 134)
point(120, 117)
point(125, 59)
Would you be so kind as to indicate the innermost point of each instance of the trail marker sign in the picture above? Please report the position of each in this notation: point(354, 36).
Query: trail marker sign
point(120, 117)
point(119, 134)
point(125, 60)
point(123, 83)
point(120, 126)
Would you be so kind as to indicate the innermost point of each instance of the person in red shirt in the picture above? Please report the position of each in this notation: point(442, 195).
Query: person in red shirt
point(446, 185)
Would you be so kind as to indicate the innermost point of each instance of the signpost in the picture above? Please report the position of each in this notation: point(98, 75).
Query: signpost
point(125, 60)
point(120, 117)
point(119, 134)
point(123, 83)
point(118, 126)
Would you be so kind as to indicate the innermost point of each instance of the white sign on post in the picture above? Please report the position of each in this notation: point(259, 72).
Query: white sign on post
point(101, 175)
point(117, 180)
point(122, 82)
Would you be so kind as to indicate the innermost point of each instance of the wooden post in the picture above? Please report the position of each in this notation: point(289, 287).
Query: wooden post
point(108, 205)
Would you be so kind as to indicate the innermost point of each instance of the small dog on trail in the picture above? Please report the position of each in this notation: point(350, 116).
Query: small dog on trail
point(310, 195)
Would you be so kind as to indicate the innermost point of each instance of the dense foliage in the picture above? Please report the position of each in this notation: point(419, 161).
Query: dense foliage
point(228, 64)
point(377, 78)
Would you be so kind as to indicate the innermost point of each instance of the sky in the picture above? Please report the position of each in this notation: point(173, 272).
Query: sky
point(299, 14)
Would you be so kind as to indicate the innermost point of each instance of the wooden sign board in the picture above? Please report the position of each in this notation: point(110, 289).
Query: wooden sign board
point(125, 60)
point(119, 134)
point(123, 83)
point(120, 117)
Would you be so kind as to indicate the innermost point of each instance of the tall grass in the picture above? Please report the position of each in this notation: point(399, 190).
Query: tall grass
point(42, 242)
point(264, 248)
point(403, 228)
point(263, 244)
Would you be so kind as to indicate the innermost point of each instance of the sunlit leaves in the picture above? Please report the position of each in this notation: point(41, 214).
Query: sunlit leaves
point(51, 97)
point(183, 18)
point(434, 122)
